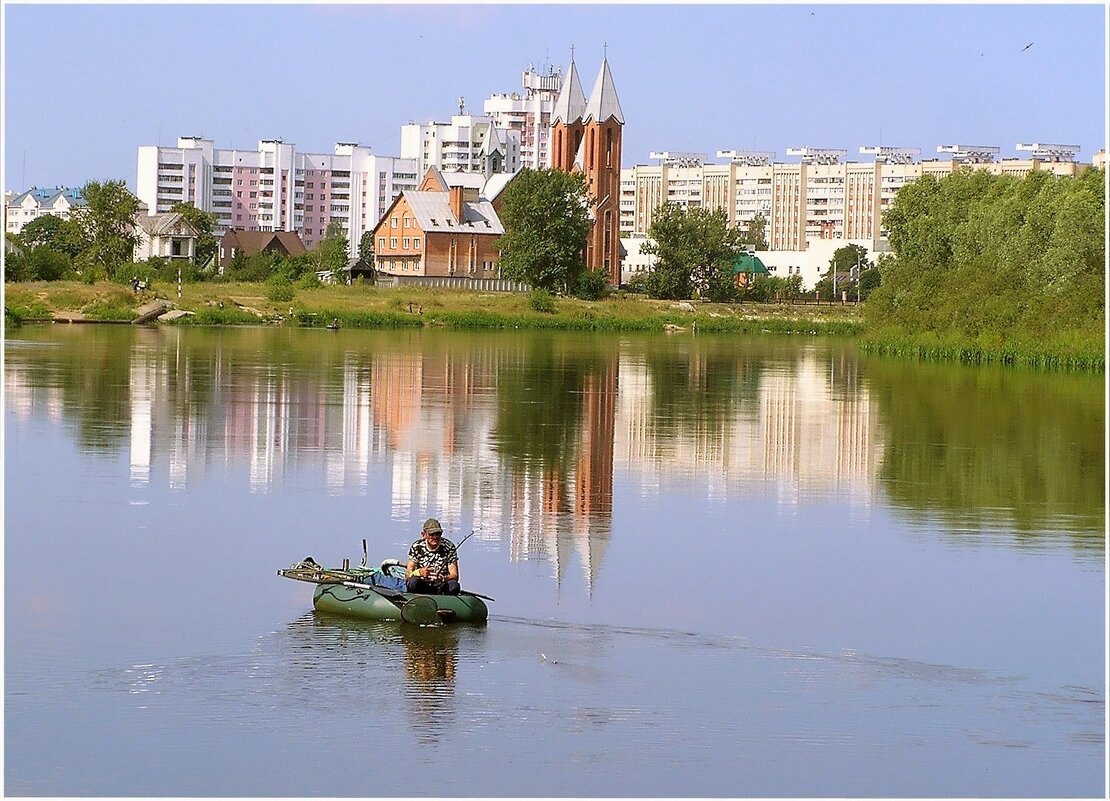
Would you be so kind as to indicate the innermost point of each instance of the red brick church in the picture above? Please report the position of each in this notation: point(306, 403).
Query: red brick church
point(586, 138)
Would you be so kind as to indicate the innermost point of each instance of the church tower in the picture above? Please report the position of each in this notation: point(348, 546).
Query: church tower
point(566, 122)
point(586, 136)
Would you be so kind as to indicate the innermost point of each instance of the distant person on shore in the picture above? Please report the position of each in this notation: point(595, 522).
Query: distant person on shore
point(433, 565)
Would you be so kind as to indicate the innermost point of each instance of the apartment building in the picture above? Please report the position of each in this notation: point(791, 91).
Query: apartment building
point(275, 187)
point(468, 143)
point(21, 208)
point(819, 197)
point(529, 114)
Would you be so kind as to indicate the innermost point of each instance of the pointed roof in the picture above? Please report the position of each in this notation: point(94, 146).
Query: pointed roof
point(603, 102)
point(491, 142)
point(572, 102)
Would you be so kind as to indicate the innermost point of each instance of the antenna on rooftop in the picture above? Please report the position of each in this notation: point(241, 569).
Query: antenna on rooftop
point(891, 155)
point(971, 154)
point(817, 155)
point(462, 105)
point(747, 158)
point(1050, 152)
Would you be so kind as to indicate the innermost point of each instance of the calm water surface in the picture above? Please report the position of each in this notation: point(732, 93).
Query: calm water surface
point(724, 567)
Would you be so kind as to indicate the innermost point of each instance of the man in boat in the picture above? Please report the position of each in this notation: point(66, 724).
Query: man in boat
point(433, 566)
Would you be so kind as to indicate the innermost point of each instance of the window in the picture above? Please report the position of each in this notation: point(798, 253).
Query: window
point(408, 221)
point(381, 243)
point(239, 182)
point(416, 243)
point(254, 194)
point(393, 241)
point(405, 243)
point(392, 222)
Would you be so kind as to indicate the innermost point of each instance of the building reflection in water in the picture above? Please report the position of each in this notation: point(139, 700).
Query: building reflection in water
point(521, 439)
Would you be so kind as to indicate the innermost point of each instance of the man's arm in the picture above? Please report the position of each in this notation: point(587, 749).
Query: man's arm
point(411, 569)
point(453, 571)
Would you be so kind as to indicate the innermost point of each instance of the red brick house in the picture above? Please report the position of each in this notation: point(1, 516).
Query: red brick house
point(445, 228)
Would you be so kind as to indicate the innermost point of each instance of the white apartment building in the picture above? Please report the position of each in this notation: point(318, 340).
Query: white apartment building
point(529, 115)
point(275, 188)
point(21, 208)
point(819, 197)
point(468, 143)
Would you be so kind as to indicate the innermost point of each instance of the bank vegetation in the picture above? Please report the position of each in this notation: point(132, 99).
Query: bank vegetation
point(991, 268)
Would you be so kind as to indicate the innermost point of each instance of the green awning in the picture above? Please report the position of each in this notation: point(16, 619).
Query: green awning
point(749, 263)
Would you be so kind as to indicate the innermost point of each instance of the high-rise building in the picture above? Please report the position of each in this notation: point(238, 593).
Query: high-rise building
point(818, 197)
point(529, 115)
point(586, 138)
point(468, 143)
point(275, 188)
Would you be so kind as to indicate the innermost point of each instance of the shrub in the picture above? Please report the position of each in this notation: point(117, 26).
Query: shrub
point(542, 301)
point(591, 286)
point(308, 280)
point(279, 289)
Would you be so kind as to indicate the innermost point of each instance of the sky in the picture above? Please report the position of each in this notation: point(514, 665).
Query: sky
point(86, 85)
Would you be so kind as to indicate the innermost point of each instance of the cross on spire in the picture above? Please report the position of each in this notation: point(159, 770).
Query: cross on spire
point(605, 51)
point(572, 54)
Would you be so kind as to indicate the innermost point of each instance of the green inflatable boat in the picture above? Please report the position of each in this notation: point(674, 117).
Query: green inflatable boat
point(374, 594)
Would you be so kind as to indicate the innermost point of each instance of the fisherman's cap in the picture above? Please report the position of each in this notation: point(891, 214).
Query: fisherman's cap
point(432, 526)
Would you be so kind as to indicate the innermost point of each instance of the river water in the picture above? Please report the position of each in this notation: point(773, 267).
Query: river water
point(724, 566)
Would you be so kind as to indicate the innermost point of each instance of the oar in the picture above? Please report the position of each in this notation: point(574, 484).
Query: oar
point(420, 610)
point(476, 595)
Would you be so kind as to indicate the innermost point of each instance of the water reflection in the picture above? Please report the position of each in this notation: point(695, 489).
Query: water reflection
point(993, 448)
point(431, 658)
point(525, 434)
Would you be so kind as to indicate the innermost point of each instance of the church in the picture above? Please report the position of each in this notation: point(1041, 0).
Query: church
point(586, 138)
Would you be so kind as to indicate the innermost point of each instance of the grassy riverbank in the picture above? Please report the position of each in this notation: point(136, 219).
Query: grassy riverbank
point(374, 307)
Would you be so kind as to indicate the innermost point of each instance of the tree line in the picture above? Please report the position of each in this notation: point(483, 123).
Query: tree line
point(996, 259)
point(97, 242)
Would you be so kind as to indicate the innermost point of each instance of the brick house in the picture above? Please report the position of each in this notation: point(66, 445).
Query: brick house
point(448, 227)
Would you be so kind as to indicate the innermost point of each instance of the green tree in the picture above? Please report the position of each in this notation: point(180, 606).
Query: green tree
point(695, 252)
point(546, 214)
point(754, 234)
point(50, 230)
point(366, 247)
point(997, 261)
point(205, 222)
point(331, 253)
point(108, 222)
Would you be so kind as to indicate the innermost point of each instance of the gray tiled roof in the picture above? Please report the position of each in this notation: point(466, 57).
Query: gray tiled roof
point(603, 102)
point(166, 223)
point(433, 214)
point(572, 102)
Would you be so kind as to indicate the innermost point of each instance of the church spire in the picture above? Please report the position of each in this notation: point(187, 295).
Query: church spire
point(572, 101)
point(603, 102)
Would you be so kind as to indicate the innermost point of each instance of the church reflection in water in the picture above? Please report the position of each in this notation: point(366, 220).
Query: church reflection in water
point(521, 435)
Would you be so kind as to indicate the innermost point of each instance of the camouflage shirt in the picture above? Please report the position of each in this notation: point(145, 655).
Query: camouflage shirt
point(436, 561)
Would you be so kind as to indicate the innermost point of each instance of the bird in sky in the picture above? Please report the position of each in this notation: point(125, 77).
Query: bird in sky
point(1026, 47)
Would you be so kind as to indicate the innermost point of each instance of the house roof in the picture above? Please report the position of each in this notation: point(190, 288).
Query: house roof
point(603, 102)
point(251, 242)
point(48, 197)
point(467, 180)
point(749, 263)
point(168, 223)
point(496, 184)
point(433, 214)
point(572, 102)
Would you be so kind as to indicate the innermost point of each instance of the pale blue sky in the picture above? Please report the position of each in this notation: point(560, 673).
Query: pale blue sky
point(85, 85)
